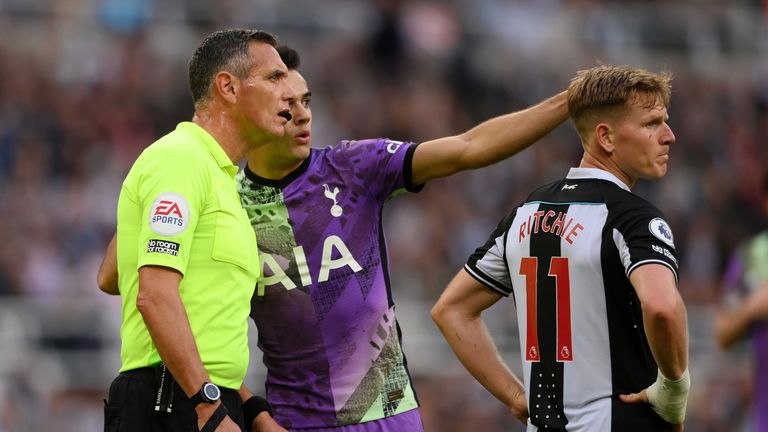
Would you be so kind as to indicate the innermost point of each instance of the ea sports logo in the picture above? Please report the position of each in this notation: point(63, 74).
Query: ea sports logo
point(166, 208)
point(169, 214)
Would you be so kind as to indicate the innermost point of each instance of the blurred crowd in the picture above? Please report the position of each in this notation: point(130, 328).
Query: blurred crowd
point(87, 84)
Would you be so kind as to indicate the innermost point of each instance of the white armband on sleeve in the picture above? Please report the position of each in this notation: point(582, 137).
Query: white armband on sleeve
point(669, 398)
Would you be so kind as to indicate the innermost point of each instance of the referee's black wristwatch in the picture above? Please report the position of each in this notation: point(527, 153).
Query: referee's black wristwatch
point(208, 393)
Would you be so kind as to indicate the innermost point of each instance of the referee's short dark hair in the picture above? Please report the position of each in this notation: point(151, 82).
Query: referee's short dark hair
point(224, 50)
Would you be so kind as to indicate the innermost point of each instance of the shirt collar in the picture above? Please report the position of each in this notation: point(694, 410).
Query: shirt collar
point(587, 173)
point(212, 145)
point(285, 181)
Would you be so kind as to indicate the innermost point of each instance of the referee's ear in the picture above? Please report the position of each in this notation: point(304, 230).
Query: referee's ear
point(225, 87)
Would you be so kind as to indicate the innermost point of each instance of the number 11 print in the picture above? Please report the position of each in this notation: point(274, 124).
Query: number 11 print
point(558, 268)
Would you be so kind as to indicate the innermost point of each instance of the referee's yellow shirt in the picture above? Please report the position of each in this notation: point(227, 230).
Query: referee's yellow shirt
point(179, 208)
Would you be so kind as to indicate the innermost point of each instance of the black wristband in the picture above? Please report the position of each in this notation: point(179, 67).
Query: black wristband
point(252, 408)
point(215, 419)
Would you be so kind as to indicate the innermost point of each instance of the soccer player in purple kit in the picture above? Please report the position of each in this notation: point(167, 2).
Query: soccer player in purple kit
point(744, 312)
point(324, 308)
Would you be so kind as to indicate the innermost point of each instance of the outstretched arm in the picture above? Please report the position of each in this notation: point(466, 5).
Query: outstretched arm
point(107, 276)
point(457, 314)
point(732, 326)
point(488, 142)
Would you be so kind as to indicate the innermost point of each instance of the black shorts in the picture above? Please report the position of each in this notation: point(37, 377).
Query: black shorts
point(131, 405)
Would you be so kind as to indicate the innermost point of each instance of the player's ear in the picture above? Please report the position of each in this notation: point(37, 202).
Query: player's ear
point(225, 85)
point(604, 137)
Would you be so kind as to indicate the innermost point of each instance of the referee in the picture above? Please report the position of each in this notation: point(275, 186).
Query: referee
point(186, 254)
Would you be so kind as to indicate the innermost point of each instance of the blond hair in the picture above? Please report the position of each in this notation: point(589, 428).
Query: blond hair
point(604, 93)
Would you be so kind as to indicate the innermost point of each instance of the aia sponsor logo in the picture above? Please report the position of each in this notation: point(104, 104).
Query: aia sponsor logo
point(169, 214)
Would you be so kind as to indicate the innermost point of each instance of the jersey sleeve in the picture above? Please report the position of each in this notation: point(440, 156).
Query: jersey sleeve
point(488, 264)
point(171, 196)
point(383, 165)
point(642, 236)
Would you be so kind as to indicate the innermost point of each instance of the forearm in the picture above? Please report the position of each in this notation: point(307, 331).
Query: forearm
point(664, 317)
point(668, 338)
point(488, 142)
point(257, 415)
point(244, 393)
point(730, 327)
point(469, 338)
point(504, 136)
point(107, 277)
point(163, 311)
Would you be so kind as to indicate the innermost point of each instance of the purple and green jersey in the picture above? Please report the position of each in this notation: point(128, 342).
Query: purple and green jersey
point(746, 273)
point(324, 308)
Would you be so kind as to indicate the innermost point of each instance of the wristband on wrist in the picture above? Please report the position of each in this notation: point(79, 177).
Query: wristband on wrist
point(254, 406)
point(669, 398)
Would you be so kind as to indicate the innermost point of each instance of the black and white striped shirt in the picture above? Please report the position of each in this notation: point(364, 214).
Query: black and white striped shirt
point(566, 255)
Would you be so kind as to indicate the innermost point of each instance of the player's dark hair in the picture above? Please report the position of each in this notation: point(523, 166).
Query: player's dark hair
point(289, 56)
point(224, 50)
